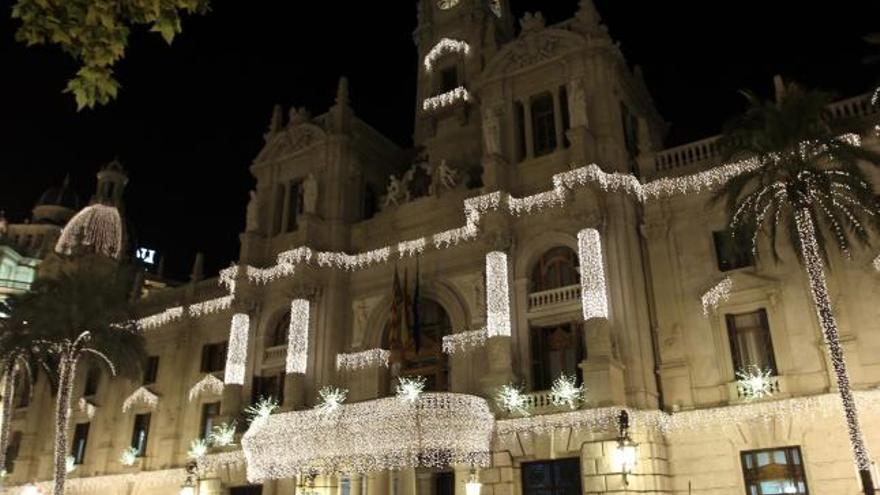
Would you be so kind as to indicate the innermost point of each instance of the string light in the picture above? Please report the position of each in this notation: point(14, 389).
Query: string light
point(198, 448)
point(753, 383)
point(236, 356)
point(464, 341)
point(443, 47)
point(163, 318)
point(354, 262)
point(97, 227)
point(876, 263)
point(110, 482)
point(510, 398)
point(214, 462)
point(142, 395)
point(497, 295)
point(411, 248)
point(210, 306)
point(446, 99)
point(297, 359)
point(223, 435)
point(594, 296)
point(537, 202)
point(372, 358)
point(719, 293)
point(86, 407)
point(227, 278)
point(438, 431)
point(566, 392)
point(209, 384)
point(330, 400)
point(129, 456)
point(262, 276)
point(296, 256)
point(410, 388)
point(70, 464)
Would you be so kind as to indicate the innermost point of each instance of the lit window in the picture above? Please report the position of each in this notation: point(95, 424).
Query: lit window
point(140, 433)
point(750, 341)
point(774, 471)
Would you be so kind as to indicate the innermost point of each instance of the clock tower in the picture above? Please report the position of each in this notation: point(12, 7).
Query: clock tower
point(455, 39)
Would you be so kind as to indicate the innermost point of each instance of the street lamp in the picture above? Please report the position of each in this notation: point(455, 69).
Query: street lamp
point(626, 454)
point(473, 485)
point(189, 484)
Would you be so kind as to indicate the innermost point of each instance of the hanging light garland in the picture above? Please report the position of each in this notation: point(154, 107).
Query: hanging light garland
point(97, 227)
point(446, 99)
point(236, 356)
point(142, 395)
point(444, 46)
point(594, 293)
point(373, 358)
point(411, 248)
point(719, 293)
point(464, 341)
point(297, 359)
point(497, 295)
point(209, 384)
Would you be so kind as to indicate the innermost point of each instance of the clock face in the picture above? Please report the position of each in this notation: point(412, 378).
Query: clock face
point(447, 4)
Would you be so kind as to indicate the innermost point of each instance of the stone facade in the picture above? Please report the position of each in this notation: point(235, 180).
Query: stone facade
point(530, 107)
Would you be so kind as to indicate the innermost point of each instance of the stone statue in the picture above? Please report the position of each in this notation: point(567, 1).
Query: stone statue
point(492, 132)
point(393, 193)
point(577, 103)
point(310, 194)
point(442, 176)
point(252, 223)
point(4, 224)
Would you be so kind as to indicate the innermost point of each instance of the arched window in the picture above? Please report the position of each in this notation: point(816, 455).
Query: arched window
point(429, 360)
point(556, 268)
point(279, 333)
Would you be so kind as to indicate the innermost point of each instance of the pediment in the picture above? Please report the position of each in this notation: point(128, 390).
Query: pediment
point(290, 141)
point(533, 48)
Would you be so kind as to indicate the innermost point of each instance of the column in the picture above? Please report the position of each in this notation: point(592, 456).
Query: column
point(425, 483)
point(527, 123)
point(354, 484)
point(557, 120)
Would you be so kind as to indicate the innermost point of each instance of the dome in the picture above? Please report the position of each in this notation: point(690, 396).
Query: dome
point(97, 228)
point(62, 196)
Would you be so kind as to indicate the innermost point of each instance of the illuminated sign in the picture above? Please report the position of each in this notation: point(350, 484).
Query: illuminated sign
point(148, 256)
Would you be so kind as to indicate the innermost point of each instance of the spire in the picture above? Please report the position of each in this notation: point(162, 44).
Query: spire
point(66, 183)
point(198, 269)
point(277, 119)
point(342, 112)
point(342, 92)
point(779, 88)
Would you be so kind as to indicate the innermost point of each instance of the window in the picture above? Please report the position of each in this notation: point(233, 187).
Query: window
point(151, 369)
point(731, 254)
point(22, 395)
point(556, 350)
point(519, 114)
point(429, 360)
point(282, 329)
point(444, 483)
point(448, 79)
point(543, 125)
point(566, 119)
point(279, 209)
point(774, 471)
point(93, 379)
point(209, 419)
point(12, 451)
point(295, 205)
point(140, 433)
point(268, 386)
point(561, 477)
point(556, 268)
point(750, 341)
point(630, 130)
point(78, 447)
point(213, 357)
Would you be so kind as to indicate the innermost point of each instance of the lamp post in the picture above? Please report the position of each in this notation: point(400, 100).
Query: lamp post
point(473, 485)
point(192, 477)
point(626, 454)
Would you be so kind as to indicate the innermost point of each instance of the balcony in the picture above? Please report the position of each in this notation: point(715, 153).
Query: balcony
point(541, 403)
point(274, 356)
point(562, 298)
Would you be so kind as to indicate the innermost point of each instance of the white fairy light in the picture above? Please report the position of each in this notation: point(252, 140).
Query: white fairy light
point(86, 407)
point(594, 292)
point(566, 392)
point(142, 395)
point(97, 227)
point(453, 237)
point(464, 341)
point(262, 409)
point(209, 384)
point(876, 263)
point(372, 358)
point(536, 202)
point(444, 46)
point(70, 464)
point(330, 400)
point(129, 456)
point(497, 295)
point(753, 383)
point(214, 462)
point(210, 306)
point(511, 399)
point(297, 359)
point(227, 278)
point(198, 448)
point(223, 435)
point(719, 293)
point(411, 248)
point(446, 99)
point(410, 388)
point(262, 276)
point(236, 356)
point(298, 256)
point(354, 262)
point(438, 431)
point(108, 483)
point(160, 319)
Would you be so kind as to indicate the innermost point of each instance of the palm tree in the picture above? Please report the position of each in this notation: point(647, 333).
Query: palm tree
point(15, 364)
point(809, 190)
point(874, 40)
point(82, 311)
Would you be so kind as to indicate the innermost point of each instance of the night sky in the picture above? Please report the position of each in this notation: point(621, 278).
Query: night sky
point(190, 118)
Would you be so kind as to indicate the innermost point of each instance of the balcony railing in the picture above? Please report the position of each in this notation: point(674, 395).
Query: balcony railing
point(11, 284)
point(274, 355)
point(738, 394)
point(570, 295)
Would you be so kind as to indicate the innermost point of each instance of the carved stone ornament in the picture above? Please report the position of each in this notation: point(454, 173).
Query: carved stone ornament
point(532, 50)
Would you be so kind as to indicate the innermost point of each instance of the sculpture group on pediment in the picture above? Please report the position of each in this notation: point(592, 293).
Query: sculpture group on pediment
point(421, 179)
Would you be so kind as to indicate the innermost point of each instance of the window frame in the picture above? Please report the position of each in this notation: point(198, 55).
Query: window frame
point(748, 257)
point(135, 442)
point(79, 455)
point(206, 360)
point(729, 318)
point(151, 370)
point(549, 114)
point(788, 450)
point(204, 430)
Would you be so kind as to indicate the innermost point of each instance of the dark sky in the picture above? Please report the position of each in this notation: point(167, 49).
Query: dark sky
point(190, 118)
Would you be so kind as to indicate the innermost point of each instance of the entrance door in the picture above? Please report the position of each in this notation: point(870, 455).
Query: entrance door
point(561, 477)
point(246, 490)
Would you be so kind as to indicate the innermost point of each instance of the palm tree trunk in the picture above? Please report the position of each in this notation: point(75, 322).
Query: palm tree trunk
point(8, 395)
point(66, 374)
point(815, 266)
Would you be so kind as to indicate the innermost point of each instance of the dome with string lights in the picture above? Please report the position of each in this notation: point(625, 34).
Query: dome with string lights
point(95, 229)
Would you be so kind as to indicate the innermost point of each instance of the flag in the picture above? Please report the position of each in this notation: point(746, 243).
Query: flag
point(394, 319)
point(416, 322)
point(405, 318)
